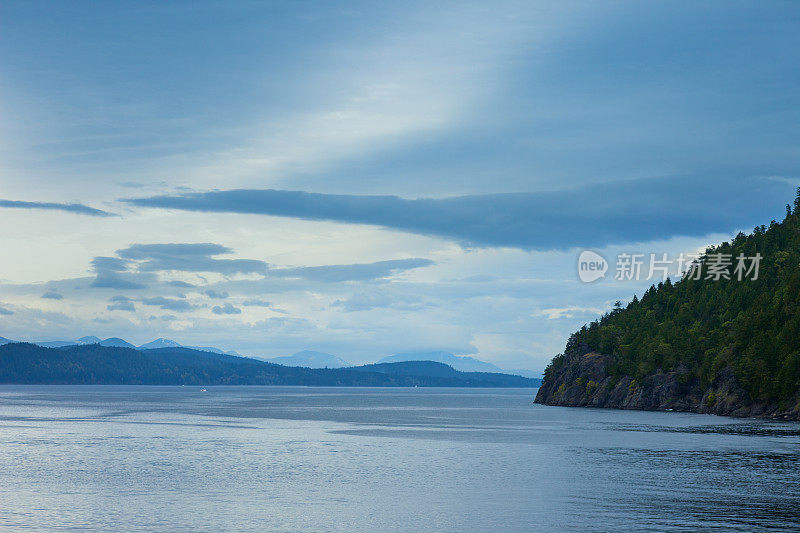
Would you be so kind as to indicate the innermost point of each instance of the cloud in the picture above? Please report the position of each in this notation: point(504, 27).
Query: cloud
point(221, 295)
point(111, 274)
point(256, 303)
point(121, 306)
point(556, 313)
point(592, 215)
point(6, 312)
point(188, 258)
point(52, 295)
point(179, 283)
point(70, 208)
point(226, 309)
point(170, 304)
point(112, 280)
point(365, 301)
point(135, 264)
point(354, 272)
point(109, 264)
point(121, 303)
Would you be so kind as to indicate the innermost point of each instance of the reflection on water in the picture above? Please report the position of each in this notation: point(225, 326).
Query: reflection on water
point(294, 458)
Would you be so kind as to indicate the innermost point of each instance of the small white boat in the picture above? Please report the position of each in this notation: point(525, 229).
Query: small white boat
point(203, 390)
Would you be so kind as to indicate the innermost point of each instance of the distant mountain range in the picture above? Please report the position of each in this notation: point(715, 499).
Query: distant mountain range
point(82, 340)
point(115, 341)
point(311, 359)
point(168, 343)
point(305, 358)
point(524, 372)
point(121, 343)
point(25, 363)
point(462, 363)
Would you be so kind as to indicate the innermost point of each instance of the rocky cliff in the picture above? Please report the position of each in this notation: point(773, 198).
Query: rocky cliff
point(582, 378)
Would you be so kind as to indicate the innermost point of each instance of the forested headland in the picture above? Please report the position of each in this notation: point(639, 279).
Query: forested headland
point(724, 346)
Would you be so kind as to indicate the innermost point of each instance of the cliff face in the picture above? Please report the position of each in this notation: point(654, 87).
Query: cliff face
point(581, 378)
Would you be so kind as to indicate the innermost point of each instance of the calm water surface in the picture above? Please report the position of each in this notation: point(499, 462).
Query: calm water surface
point(343, 459)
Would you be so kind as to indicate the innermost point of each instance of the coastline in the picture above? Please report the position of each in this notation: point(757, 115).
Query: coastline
point(581, 379)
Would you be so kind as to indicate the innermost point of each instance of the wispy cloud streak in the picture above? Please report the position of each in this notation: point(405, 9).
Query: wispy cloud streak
point(79, 209)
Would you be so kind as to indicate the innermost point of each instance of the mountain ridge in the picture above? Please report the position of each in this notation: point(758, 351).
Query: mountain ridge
point(304, 358)
point(26, 363)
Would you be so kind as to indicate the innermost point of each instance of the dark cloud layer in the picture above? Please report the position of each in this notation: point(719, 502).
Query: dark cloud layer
point(70, 208)
point(589, 216)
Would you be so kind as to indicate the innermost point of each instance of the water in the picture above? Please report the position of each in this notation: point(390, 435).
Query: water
point(342, 459)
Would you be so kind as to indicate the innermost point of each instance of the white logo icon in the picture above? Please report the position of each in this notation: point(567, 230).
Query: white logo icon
point(591, 266)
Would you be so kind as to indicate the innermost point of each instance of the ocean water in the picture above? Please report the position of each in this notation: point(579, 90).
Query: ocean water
point(100, 458)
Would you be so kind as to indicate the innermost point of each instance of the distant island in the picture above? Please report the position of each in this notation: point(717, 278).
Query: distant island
point(726, 347)
point(304, 358)
point(111, 364)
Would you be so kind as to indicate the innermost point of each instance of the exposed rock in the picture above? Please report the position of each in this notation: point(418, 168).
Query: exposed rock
point(580, 378)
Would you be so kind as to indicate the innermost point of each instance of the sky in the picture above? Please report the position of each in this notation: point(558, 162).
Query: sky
point(367, 178)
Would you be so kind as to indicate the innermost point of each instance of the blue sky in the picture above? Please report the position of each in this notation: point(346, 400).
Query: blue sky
point(369, 178)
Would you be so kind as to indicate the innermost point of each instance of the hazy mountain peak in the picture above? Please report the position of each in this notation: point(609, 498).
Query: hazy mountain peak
point(311, 359)
point(89, 339)
point(213, 349)
point(462, 363)
point(159, 343)
point(116, 341)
